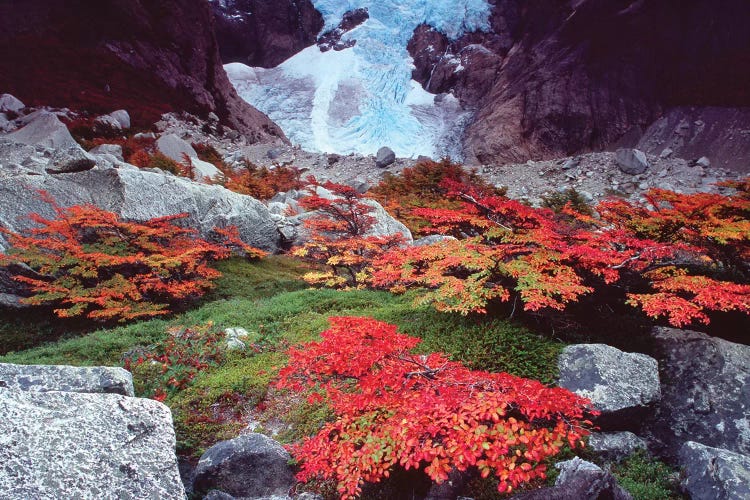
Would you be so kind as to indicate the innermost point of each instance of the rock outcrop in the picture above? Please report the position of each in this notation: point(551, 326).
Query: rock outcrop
point(251, 465)
point(622, 386)
point(705, 393)
point(552, 79)
point(714, 474)
point(145, 57)
point(262, 33)
point(86, 443)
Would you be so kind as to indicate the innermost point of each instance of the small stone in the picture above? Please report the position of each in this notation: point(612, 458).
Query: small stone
point(616, 445)
point(666, 153)
point(571, 163)
point(235, 344)
point(703, 161)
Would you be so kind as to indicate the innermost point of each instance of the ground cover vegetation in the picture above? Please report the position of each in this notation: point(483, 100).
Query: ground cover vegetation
point(377, 402)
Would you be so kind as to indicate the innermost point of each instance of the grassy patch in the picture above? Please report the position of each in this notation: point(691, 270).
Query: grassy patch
point(647, 479)
point(268, 299)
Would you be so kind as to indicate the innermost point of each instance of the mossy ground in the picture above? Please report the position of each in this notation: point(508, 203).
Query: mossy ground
point(270, 301)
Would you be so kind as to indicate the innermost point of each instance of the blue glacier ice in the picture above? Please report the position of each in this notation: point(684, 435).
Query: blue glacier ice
point(359, 99)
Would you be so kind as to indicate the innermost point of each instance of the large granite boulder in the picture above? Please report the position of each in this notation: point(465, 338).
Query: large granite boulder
point(713, 473)
point(132, 193)
point(74, 445)
point(705, 393)
point(175, 148)
point(579, 480)
point(46, 378)
point(622, 386)
point(251, 465)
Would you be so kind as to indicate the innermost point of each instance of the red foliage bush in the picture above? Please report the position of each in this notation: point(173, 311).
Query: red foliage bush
point(338, 236)
point(89, 262)
point(263, 183)
point(394, 408)
point(683, 257)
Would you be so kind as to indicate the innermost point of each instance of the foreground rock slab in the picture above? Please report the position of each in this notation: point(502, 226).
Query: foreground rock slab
point(73, 445)
point(713, 473)
point(623, 386)
point(252, 465)
point(36, 378)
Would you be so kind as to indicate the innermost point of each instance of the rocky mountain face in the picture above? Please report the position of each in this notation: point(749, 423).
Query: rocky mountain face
point(556, 78)
point(146, 56)
point(262, 33)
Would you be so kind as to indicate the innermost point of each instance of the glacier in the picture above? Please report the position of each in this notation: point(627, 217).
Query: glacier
point(362, 98)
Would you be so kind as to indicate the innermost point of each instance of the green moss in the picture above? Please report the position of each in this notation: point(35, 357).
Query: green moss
point(212, 408)
point(647, 479)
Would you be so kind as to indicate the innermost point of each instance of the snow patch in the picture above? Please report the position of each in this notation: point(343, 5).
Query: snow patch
point(359, 99)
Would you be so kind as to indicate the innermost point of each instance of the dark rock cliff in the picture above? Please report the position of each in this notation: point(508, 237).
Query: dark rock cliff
point(146, 56)
point(263, 33)
point(555, 78)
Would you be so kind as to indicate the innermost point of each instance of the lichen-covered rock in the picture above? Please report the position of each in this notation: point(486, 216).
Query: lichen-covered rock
point(579, 480)
point(713, 473)
point(251, 465)
point(616, 445)
point(45, 378)
point(623, 386)
point(705, 393)
point(74, 445)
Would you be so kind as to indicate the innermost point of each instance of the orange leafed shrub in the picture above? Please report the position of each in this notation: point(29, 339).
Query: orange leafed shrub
point(88, 262)
point(338, 237)
point(263, 183)
point(423, 186)
point(683, 258)
point(394, 409)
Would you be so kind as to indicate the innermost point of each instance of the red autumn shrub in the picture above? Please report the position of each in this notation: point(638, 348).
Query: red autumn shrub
point(338, 236)
point(394, 408)
point(89, 262)
point(263, 183)
point(682, 258)
point(423, 186)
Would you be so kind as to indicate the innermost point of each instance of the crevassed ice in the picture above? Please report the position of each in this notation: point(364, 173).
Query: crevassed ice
point(359, 99)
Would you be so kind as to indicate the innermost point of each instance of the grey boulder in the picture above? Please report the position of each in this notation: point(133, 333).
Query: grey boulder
point(622, 386)
point(616, 445)
point(251, 465)
point(705, 393)
point(45, 129)
point(631, 161)
point(579, 480)
point(173, 147)
point(69, 160)
point(384, 157)
point(108, 149)
point(138, 195)
point(46, 378)
point(122, 117)
point(10, 103)
point(713, 473)
point(74, 445)
point(432, 240)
